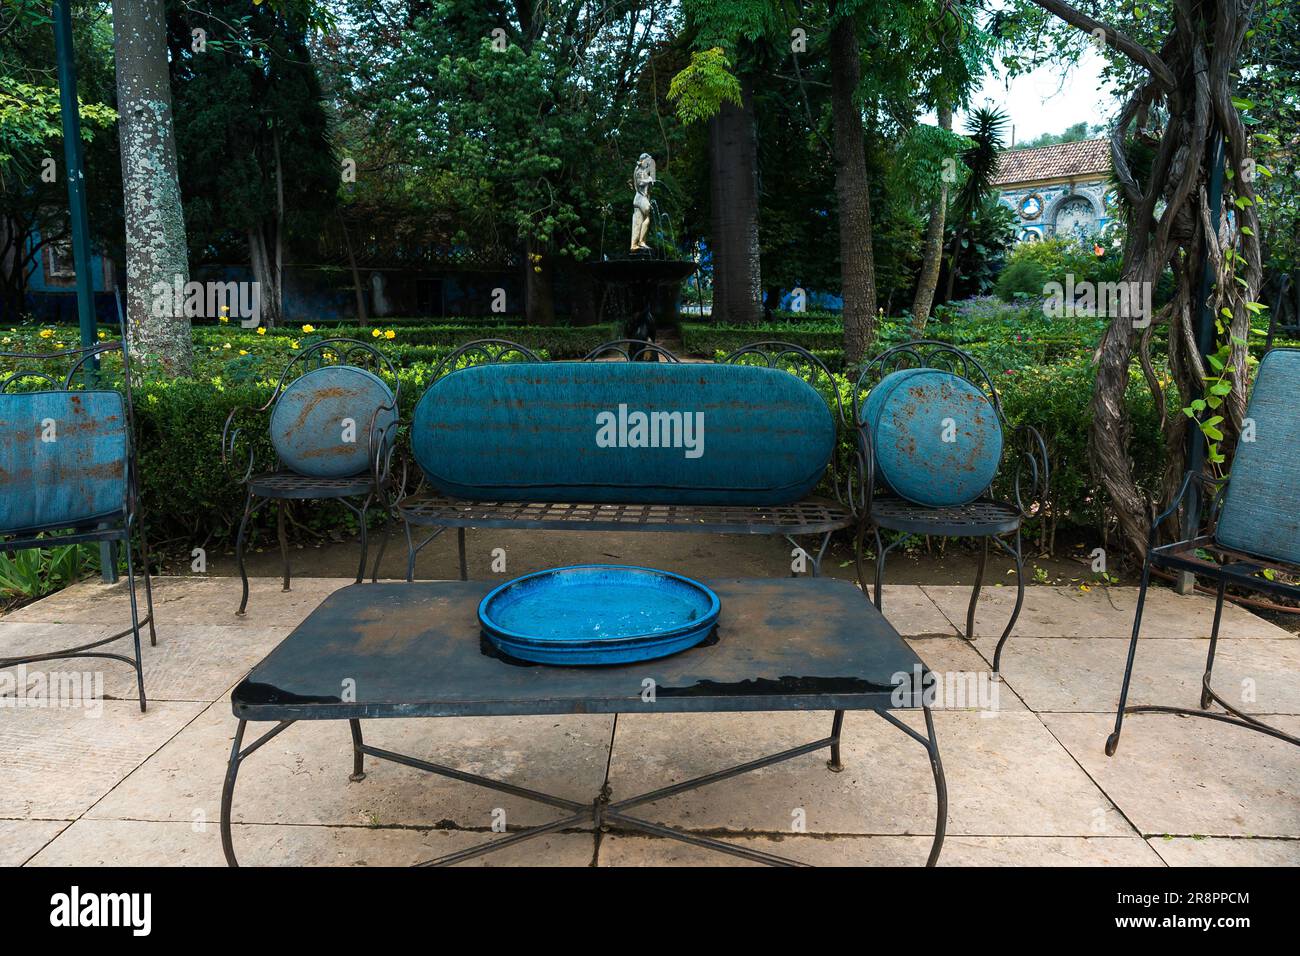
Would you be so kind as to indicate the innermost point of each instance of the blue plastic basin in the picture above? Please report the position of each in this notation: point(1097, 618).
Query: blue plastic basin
point(597, 614)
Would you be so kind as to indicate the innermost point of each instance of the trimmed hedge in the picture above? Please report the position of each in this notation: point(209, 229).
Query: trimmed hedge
point(561, 341)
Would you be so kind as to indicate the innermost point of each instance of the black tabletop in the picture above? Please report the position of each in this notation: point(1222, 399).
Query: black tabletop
point(414, 650)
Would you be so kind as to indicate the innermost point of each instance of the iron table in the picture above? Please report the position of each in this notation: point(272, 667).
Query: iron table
point(374, 651)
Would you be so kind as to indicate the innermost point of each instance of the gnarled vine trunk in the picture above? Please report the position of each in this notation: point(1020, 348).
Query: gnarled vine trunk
point(1185, 100)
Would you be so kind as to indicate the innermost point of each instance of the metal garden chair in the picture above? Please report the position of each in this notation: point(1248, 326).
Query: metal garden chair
point(332, 422)
point(944, 448)
point(71, 477)
point(1251, 532)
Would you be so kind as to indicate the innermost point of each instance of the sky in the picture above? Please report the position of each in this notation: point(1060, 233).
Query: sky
point(1047, 100)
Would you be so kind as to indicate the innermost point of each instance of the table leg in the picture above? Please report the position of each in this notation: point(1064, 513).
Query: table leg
point(837, 724)
point(232, 772)
point(358, 755)
point(931, 745)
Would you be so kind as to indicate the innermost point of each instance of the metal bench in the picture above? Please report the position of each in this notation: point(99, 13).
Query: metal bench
point(480, 431)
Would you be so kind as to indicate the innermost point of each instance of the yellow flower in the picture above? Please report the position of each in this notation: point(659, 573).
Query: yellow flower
point(376, 333)
point(309, 329)
point(47, 333)
point(261, 330)
point(243, 351)
point(390, 334)
point(223, 318)
point(293, 343)
point(226, 345)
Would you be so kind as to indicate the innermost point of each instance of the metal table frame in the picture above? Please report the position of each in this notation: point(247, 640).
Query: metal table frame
point(480, 691)
point(602, 812)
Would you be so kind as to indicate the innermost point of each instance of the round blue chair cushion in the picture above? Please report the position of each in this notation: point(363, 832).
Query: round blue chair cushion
point(309, 422)
point(937, 437)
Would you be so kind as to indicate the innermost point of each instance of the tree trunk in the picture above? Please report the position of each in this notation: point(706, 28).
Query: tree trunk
point(266, 276)
point(539, 293)
point(857, 265)
point(932, 249)
point(356, 274)
point(733, 171)
point(156, 254)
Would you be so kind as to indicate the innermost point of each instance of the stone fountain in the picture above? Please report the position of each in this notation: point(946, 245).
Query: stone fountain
point(636, 278)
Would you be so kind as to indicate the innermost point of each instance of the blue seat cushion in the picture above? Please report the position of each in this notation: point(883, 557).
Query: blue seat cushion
point(63, 459)
point(1261, 508)
point(633, 432)
point(320, 426)
point(937, 437)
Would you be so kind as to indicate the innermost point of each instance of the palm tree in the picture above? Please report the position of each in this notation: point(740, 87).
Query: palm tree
point(985, 128)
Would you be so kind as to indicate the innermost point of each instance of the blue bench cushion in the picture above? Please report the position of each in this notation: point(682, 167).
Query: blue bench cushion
point(635, 432)
point(936, 436)
point(63, 459)
point(320, 425)
point(1261, 508)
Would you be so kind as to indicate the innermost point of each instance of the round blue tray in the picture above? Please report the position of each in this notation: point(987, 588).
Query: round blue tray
point(597, 614)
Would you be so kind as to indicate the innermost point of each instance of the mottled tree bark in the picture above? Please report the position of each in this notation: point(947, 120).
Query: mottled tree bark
point(156, 254)
point(857, 263)
point(733, 171)
point(932, 248)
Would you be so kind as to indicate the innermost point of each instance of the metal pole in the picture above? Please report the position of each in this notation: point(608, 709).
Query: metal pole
point(1205, 346)
point(79, 221)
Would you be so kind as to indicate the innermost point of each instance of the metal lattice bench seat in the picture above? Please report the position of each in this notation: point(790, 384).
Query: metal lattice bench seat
point(776, 440)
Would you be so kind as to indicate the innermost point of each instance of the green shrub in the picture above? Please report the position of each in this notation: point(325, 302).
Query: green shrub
point(1021, 280)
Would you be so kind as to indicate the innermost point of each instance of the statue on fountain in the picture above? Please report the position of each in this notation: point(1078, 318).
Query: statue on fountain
point(643, 177)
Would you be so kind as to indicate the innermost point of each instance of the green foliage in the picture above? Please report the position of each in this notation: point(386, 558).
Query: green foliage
point(1072, 134)
point(1021, 279)
point(39, 571)
point(700, 90)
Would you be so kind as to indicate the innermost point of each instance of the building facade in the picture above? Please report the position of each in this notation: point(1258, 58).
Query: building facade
point(1060, 190)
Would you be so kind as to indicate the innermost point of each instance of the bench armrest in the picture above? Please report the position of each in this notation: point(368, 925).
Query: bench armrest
point(1211, 489)
point(231, 456)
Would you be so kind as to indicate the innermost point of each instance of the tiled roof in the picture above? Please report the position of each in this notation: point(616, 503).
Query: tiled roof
point(1086, 157)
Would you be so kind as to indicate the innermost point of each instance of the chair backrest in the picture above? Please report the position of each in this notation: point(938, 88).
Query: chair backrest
point(632, 432)
point(65, 454)
point(935, 432)
point(321, 423)
point(1261, 507)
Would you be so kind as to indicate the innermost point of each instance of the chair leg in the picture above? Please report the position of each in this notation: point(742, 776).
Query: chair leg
point(280, 533)
point(383, 543)
point(460, 548)
point(837, 724)
point(148, 585)
point(975, 593)
point(365, 543)
point(358, 758)
point(1112, 742)
point(410, 552)
point(135, 624)
point(1214, 643)
point(880, 571)
point(239, 551)
point(1018, 554)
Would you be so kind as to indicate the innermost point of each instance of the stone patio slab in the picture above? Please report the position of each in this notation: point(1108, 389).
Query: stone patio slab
point(301, 776)
point(625, 850)
point(55, 763)
point(1084, 674)
point(22, 839)
point(136, 843)
point(1006, 775)
point(190, 662)
point(1186, 776)
point(913, 613)
point(1100, 612)
point(184, 600)
point(1220, 851)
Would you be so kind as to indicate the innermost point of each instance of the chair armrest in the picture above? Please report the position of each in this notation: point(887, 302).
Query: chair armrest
point(230, 434)
point(382, 448)
point(1032, 477)
point(862, 477)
